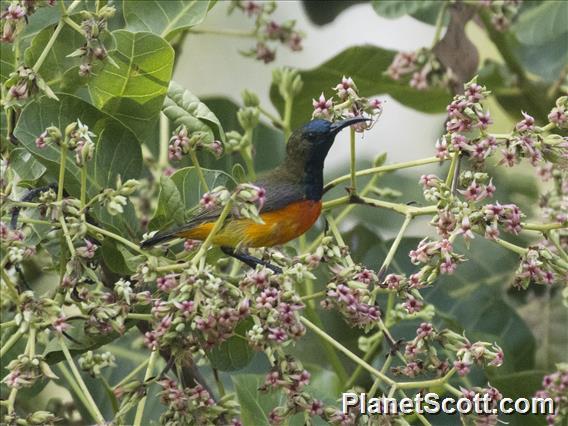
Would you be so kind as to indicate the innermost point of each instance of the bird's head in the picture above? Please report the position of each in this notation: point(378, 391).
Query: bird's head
point(310, 143)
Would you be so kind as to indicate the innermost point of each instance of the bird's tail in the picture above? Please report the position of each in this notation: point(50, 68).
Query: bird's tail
point(160, 237)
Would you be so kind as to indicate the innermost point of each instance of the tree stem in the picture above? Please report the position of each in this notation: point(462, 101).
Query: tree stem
point(149, 371)
point(347, 352)
point(91, 406)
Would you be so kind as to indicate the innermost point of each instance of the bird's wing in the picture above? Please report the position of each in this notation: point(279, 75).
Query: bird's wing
point(278, 195)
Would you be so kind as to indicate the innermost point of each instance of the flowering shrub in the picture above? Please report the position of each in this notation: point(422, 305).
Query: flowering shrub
point(100, 150)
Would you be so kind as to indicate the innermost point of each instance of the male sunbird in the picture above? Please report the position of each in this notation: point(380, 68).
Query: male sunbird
point(293, 198)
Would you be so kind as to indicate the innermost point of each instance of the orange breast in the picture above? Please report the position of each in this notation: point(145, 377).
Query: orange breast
point(279, 227)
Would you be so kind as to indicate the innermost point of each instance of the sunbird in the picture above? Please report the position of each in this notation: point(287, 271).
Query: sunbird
point(293, 203)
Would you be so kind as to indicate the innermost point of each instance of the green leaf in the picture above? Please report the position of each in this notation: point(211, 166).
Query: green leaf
point(255, 405)
point(180, 194)
point(81, 343)
point(547, 317)
point(398, 8)
point(523, 384)
point(164, 18)
point(25, 165)
point(135, 91)
point(234, 353)
point(366, 65)
point(189, 185)
point(545, 60)
point(424, 10)
point(118, 259)
point(6, 61)
point(324, 15)
point(56, 64)
point(170, 210)
point(117, 152)
point(542, 24)
point(183, 107)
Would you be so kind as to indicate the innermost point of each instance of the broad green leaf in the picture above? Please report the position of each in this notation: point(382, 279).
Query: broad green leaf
point(134, 92)
point(255, 405)
point(424, 10)
point(545, 60)
point(118, 259)
point(183, 107)
point(522, 384)
point(234, 353)
point(547, 317)
point(542, 24)
point(25, 165)
point(81, 343)
point(45, 17)
point(398, 8)
point(180, 194)
point(366, 65)
point(164, 18)
point(6, 61)
point(324, 15)
point(56, 64)
point(170, 210)
point(189, 185)
point(117, 152)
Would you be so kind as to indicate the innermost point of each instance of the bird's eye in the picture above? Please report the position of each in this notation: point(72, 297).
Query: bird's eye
point(311, 135)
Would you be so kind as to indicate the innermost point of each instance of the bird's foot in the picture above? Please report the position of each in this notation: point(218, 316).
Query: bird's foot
point(250, 260)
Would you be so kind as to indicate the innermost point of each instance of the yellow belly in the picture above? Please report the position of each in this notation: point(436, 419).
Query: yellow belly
point(279, 227)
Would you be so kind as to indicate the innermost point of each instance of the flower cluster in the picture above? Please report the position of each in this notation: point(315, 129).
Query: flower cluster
point(266, 31)
point(77, 138)
point(16, 15)
point(94, 26)
point(93, 363)
point(554, 386)
point(493, 396)
point(468, 354)
point(502, 12)
point(423, 354)
point(182, 143)
point(115, 200)
point(25, 371)
point(14, 246)
point(541, 266)
point(437, 257)
point(248, 200)
point(194, 405)
point(349, 104)
point(274, 306)
point(350, 293)
point(289, 376)
point(559, 114)
point(420, 69)
point(22, 84)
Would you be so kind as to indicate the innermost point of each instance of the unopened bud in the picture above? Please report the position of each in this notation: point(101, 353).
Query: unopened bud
point(250, 99)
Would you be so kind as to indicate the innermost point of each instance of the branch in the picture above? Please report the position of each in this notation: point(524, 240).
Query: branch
point(347, 352)
point(382, 169)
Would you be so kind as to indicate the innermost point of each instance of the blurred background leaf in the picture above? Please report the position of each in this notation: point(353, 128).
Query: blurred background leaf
point(164, 18)
point(366, 65)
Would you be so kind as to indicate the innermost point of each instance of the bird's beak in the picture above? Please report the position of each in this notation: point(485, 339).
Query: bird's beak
point(339, 125)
